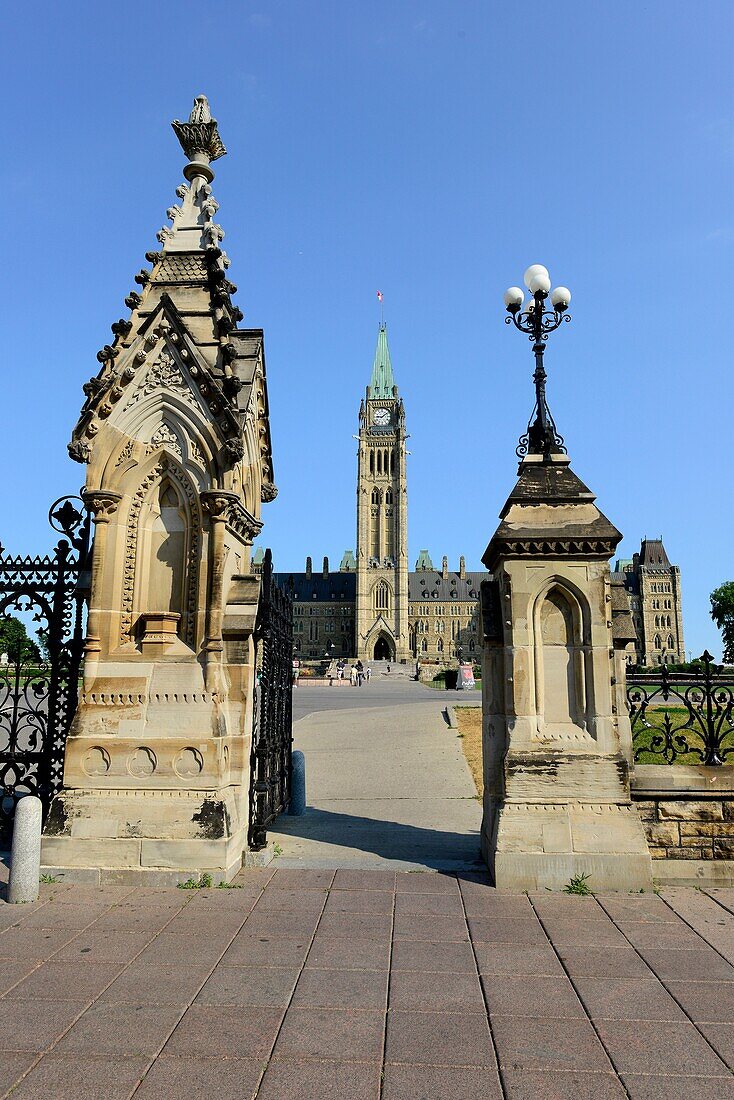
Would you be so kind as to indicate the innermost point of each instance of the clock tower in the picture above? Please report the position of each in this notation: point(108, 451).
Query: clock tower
point(382, 518)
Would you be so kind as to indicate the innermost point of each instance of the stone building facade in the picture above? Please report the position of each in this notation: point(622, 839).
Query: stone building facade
point(373, 607)
point(654, 590)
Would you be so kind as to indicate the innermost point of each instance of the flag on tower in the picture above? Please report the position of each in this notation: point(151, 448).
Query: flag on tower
point(379, 295)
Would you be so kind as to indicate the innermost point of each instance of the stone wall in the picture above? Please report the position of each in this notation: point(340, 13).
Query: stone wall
point(688, 815)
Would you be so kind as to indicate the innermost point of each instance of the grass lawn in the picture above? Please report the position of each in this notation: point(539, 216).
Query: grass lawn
point(470, 732)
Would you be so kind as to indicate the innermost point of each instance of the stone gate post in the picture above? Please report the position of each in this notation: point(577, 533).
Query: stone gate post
point(175, 439)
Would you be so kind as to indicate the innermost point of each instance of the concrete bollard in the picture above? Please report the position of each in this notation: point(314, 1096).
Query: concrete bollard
point(25, 853)
point(298, 785)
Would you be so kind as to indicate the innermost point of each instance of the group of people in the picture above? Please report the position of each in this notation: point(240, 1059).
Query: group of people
point(358, 674)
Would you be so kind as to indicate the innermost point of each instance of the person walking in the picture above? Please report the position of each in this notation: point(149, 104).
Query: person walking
point(353, 676)
point(360, 673)
point(368, 674)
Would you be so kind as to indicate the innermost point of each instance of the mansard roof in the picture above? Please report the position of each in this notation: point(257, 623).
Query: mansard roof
point(187, 289)
point(317, 587)
point(653, 556)
point(430, 585)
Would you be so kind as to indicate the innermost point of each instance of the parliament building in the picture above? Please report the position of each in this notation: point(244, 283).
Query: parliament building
point(373, 607)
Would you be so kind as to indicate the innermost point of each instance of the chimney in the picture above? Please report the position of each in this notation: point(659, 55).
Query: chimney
point(444, 567)
point(326, 568)
point(309, 568)
point(462, 567)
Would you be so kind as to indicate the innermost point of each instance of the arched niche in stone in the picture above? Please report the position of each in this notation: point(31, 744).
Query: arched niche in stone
point(560, 623)
point(162, 550)
point(162, 533)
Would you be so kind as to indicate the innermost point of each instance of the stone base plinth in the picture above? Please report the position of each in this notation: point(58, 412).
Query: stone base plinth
point(136, 836)
point(541, 846)
point(703, 873)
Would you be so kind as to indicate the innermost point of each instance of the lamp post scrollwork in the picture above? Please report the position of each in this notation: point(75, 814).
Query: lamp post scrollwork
point(537, 321)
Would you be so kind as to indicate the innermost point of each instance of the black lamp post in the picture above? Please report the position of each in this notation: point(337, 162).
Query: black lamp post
point(533, 318)
point(459, 652)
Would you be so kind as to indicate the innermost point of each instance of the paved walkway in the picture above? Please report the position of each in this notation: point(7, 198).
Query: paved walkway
point(368, 986)
point(387, 784)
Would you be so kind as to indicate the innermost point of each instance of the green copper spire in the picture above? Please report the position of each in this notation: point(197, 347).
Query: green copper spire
point(382, 382)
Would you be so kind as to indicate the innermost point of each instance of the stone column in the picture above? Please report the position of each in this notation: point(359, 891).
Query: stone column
point(103, 505)
point(216, 505)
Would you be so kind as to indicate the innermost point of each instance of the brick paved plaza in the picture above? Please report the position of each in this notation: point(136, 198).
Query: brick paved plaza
point(366, 984)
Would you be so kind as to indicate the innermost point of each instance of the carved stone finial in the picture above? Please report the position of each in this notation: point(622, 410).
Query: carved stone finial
point(200, 112)
point(200, 140)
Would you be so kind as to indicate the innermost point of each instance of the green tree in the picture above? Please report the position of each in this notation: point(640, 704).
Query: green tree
point(722, 612)
point(14, 640)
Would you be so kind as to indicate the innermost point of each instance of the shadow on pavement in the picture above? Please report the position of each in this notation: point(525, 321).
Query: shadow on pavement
point(388, 840)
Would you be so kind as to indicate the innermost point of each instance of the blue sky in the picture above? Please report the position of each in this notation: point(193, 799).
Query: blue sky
point(432, 151)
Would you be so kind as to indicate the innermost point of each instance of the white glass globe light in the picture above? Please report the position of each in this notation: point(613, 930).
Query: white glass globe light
point(534, 269)
point(514, 297)
point(538, 282)
point(560, 297)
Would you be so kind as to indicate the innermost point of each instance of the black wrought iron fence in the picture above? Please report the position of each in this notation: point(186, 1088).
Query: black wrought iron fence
point(272, 738)
point(39, 683)
point(682, 717)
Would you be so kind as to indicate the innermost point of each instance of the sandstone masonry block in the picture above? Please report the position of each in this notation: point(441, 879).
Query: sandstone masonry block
point(707, 828)
point(691, 811)
point(665, 833)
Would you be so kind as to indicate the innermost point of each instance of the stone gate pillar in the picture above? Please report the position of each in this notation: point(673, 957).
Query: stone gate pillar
point(556, 737)
point(175, 438)
point(557, 796)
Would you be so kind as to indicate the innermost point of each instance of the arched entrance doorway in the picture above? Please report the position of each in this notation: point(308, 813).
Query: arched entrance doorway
point(383, 649)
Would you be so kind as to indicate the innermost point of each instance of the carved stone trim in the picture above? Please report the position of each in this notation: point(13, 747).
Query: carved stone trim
point(102, 503)
point(164, 374)
point(131, 543)
point(126, 453)
point(556, 548)
point(229, 507)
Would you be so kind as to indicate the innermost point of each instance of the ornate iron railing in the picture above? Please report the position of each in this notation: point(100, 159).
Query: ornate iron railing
point(685, 717)
point(272, 738)
point(38, 695)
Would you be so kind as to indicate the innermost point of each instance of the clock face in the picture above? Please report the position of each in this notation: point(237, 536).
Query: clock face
point(381, 417)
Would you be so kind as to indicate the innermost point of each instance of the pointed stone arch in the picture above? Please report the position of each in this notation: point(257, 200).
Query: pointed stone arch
point(384, 647)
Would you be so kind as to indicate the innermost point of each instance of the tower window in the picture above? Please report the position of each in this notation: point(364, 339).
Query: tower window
point(382, 596)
